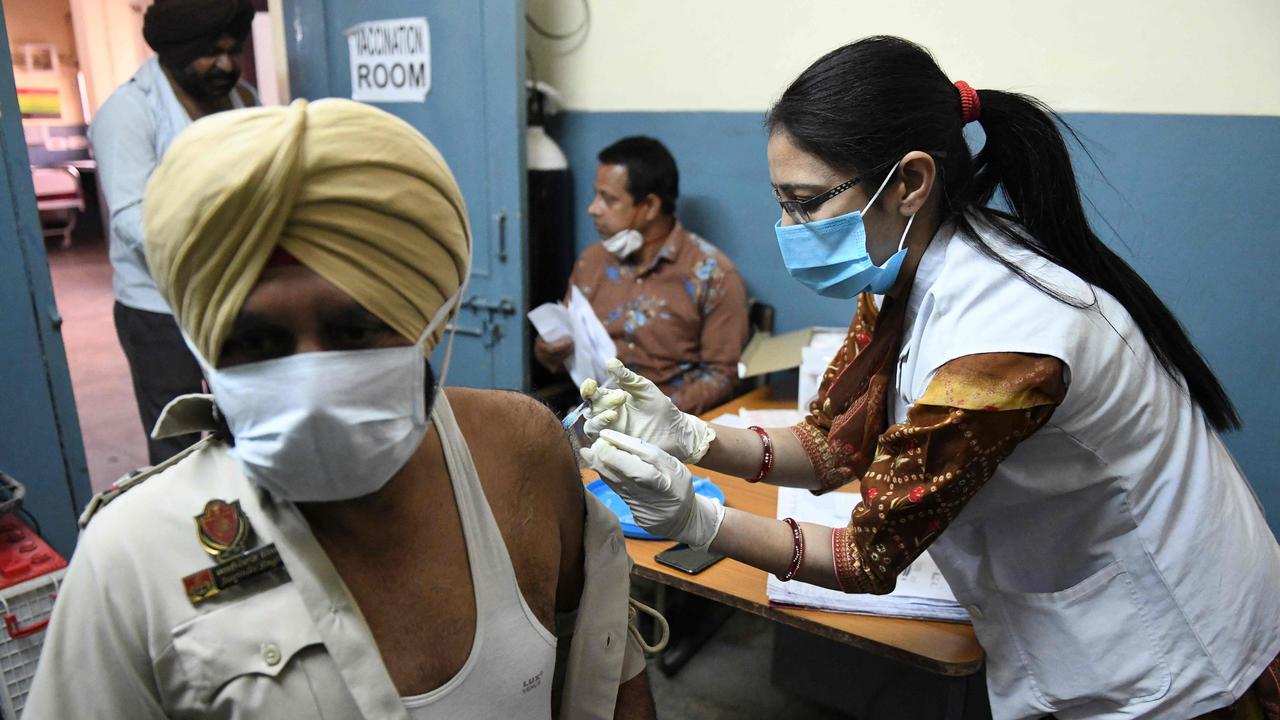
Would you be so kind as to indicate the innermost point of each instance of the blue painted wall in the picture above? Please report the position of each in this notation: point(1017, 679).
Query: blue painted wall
point(1192, 198)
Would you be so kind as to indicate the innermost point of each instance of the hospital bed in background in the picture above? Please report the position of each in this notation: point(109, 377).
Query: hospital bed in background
point(60, 200)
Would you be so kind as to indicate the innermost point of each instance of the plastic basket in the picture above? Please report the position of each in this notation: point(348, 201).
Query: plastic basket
point(30, 571)
point(26, 607)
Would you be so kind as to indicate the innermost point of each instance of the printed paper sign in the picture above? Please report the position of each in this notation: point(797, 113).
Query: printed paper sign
point(390, 60)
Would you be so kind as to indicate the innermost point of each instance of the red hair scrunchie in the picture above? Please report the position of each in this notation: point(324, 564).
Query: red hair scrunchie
point(970, 106)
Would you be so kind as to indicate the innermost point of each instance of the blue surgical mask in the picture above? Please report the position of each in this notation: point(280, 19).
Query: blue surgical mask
point(830, 256)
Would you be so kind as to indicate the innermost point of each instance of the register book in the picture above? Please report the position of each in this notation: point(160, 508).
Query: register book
point(921, 593)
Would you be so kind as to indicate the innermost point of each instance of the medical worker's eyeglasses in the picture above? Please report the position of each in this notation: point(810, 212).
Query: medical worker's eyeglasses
point(802, 210)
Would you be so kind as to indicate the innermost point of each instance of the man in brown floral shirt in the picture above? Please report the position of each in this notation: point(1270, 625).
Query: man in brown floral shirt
point(674, 305)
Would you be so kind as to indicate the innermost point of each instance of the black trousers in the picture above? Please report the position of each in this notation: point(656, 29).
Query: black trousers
point(162, 368)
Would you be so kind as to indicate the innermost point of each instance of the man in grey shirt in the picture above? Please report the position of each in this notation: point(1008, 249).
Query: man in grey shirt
point(196, 73)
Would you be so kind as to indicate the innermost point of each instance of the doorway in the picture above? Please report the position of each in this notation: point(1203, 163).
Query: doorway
point(68, 57)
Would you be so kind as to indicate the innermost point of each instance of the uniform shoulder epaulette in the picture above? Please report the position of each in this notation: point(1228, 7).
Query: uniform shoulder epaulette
point(136, 478)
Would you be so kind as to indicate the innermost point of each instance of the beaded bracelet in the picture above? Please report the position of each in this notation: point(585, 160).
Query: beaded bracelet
point(797, 550)
point(766, 462)
point(837, 539)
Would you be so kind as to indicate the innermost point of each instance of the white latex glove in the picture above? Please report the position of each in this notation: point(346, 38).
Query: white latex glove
point(639, 409)
point(657, 487)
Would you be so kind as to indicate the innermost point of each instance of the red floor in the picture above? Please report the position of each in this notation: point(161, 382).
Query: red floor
point(113, 439)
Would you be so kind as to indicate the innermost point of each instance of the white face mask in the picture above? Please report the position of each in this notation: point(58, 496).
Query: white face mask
point(326, 426)
point(623, 243)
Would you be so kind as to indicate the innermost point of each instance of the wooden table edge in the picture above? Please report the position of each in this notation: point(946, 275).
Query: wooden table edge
point(799, 618)
point(796, 618)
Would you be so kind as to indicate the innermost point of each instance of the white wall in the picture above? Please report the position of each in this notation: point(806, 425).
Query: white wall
point(46, 22)
point(109, 43)
point(265, 60)
point(1171, 56)
point(279, 63)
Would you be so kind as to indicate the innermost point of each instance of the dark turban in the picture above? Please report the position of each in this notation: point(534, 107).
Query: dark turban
point(182, 30)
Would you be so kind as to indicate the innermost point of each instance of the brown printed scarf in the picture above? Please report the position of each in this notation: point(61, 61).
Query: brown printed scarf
point(853, 405)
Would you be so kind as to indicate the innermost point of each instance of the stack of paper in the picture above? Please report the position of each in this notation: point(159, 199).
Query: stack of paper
point(921, 593)
point(577, 321)
point(814, 359)
point(745, 418)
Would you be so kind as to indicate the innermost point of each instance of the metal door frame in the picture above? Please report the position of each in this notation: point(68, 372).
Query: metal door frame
point(40, 444)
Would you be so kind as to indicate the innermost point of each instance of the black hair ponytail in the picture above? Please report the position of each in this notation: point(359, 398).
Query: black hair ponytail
point(867, 104)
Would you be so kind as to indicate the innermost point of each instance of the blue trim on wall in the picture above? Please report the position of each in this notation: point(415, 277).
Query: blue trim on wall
point(1190, 197)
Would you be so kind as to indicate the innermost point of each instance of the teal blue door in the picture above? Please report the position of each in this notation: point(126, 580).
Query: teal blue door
point(475, 114)
point(39, 435)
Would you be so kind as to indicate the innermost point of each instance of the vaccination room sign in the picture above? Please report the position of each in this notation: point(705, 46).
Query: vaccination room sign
point(390, 60)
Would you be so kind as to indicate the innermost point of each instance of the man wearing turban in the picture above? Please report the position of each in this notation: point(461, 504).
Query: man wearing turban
point(195, 73)
point(366, 544)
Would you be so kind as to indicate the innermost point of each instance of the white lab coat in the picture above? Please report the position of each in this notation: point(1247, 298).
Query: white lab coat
point(1117, 564)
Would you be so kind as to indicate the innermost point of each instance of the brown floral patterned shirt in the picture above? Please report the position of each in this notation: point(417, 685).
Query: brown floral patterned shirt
point(680, 320)
point(975, 410)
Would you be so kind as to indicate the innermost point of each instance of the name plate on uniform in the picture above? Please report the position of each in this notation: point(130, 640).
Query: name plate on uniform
point(202, 585)
point(224, 532)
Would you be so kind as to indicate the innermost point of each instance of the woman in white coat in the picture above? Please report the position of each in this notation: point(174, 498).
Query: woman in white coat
point(1021, 403)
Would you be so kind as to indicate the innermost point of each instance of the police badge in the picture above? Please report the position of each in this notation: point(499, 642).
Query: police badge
point(225, 533)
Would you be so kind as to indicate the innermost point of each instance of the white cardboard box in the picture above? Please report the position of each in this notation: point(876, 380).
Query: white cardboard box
point(768, 353)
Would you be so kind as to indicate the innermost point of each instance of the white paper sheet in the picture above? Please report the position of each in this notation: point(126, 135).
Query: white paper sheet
point(551, 320)
point(745, 418)
point(769, 418)
point(732, 420)
point(814, 359)
point(592, 346)
point(921, 592)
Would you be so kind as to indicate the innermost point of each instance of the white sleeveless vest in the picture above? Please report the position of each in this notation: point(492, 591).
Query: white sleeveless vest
point(1117, 565)
point(509, 671)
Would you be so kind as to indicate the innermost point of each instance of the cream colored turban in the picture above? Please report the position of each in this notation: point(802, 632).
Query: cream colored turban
point(352, 192)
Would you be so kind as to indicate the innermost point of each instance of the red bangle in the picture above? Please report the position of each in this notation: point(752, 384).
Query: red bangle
point(837, 536)
point(797, 550)
point(766, 462)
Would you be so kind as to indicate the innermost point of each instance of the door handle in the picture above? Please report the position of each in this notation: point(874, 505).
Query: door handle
point(495, 335)
point(501, 219)
point(465, 331)
point(503, 306)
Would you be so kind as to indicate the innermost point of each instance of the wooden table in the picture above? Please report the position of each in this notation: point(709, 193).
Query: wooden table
point(944, 648)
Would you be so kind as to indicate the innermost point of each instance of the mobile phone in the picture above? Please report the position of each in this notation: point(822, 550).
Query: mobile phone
point(682, 557)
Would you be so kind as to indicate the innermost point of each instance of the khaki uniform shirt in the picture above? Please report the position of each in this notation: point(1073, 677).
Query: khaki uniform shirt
point(125, 641)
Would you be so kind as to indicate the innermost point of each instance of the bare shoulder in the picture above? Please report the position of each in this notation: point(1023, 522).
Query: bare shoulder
point(516, 435)
point(533, 486)
point(504, 414)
